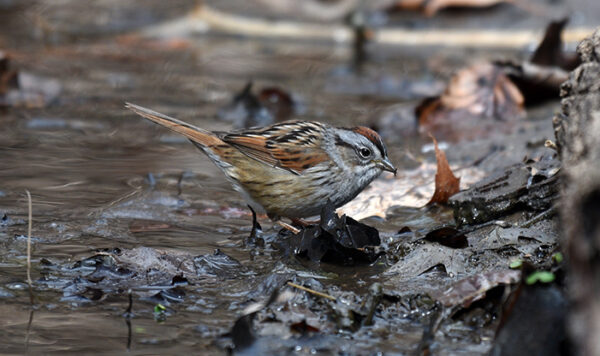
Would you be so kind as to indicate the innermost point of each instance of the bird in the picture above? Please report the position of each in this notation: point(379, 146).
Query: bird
point(290, 169)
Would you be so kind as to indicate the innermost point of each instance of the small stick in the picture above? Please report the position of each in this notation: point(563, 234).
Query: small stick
point(312, 291)
point(288, 227)
point(29, 240)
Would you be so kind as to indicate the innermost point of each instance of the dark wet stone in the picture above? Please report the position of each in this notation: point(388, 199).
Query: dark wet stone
point(531, 186)
point(303, 328)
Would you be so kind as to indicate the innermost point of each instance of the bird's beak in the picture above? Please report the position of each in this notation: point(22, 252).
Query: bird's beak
point(386, 165)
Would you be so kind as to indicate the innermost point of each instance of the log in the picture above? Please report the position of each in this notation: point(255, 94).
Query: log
point(577, 130)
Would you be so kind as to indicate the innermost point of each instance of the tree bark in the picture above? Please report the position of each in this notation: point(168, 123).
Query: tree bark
point(577, 130)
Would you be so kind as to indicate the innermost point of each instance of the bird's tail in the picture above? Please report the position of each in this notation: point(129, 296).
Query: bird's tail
point(194, 133)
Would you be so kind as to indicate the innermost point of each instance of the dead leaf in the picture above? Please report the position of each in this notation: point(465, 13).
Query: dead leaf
point(303, 328)
point(446, 184)
point(479, 100)
point(448, 236)
point(425, 257)
point(473, 288)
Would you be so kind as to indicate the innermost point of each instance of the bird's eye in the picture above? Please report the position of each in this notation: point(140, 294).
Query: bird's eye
point(364, 152)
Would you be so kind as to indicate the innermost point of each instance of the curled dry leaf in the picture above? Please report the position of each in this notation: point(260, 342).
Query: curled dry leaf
point(446, 184)
point(479, 100)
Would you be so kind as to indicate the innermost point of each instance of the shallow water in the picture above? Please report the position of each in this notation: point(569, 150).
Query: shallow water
point(103, 179)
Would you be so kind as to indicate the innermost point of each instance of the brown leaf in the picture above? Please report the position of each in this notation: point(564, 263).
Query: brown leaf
point(479, 100)
point(470, 289)
point(446, 184)
point(448, 236)
point(303, 328)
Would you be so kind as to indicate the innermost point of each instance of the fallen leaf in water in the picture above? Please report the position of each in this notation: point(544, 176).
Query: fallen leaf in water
point(425, 257)
point(446, 184)
point(479, 100)
point(473, 288)
point(303, 328)
point(448, 236)
point(337, 240)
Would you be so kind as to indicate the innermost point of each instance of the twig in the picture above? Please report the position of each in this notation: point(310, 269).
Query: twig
point(312, 291)
point(288, 227)
point(541, 216)
point(29, 241)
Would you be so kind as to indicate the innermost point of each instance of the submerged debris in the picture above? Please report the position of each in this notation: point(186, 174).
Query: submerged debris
point(338, 240)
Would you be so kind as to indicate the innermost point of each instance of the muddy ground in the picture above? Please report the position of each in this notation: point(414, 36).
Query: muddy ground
point(139, 245)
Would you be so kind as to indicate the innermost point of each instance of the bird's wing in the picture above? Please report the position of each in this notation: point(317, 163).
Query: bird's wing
point(295, 146)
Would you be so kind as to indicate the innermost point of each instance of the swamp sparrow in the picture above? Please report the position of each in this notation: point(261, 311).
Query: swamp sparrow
point(289, 169)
